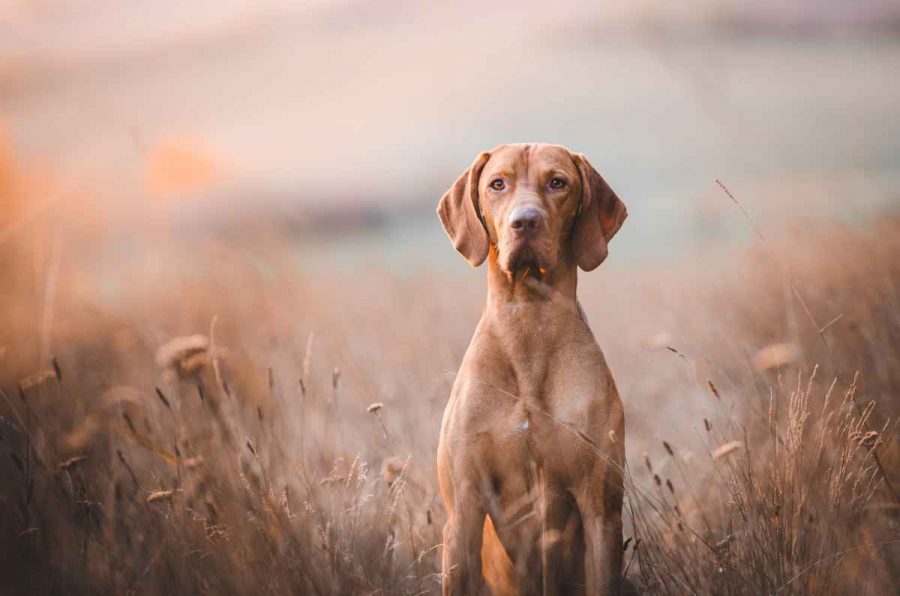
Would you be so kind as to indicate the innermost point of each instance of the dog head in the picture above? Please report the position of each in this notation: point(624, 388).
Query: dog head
point(531, 203)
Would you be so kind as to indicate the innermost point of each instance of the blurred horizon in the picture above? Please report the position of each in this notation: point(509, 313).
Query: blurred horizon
point(349, 119)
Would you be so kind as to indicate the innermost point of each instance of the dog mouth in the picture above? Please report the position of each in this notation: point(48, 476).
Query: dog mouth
point(524, 260)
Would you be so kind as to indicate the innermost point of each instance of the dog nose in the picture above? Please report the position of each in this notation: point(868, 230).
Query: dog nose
point(526, 220)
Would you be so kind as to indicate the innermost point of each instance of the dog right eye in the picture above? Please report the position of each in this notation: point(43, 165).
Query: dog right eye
point(498, 184)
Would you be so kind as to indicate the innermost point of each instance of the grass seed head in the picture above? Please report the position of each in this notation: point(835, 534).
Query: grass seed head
point(726, 449)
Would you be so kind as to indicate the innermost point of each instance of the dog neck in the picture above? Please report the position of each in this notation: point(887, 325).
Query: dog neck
point(546, 292)
point(528, 317)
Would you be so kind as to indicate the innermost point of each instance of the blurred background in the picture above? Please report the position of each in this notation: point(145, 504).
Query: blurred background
point(347, 118)
point(228, 309)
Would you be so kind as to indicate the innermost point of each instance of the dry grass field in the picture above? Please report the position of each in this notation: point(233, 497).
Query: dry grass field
point(231, 423)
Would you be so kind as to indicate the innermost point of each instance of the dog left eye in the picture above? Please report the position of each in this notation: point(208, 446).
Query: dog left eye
point(557, 183)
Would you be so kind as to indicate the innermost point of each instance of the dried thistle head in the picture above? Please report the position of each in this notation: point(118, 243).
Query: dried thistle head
point(160, 495)
point(36, 380)
point(726, 449)
point(183, 355)
point(776, 355)
point(193, 462)
point(72, 461)
point(392, 468)
point(869, 439)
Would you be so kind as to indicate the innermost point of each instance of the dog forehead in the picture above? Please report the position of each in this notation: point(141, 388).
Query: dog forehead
point(552, 156)
point(520, 157)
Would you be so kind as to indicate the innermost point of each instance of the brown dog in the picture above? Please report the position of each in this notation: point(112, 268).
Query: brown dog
point(531, 448)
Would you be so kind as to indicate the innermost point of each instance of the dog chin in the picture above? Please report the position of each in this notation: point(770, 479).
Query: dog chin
point(523, 260)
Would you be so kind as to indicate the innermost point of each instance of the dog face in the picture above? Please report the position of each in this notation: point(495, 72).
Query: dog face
point(531, 203)
point(528, 198)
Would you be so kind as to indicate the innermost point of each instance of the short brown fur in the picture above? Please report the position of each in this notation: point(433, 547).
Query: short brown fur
point(532, 436)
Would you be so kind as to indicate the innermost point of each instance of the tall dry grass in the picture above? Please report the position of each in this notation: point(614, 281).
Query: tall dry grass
point(799, 508)
point(213, 418)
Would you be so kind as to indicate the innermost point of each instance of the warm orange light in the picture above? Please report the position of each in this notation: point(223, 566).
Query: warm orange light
point(178, 167)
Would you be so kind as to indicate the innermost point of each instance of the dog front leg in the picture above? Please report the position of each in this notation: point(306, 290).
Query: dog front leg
point(463, 532)
point(601, 516)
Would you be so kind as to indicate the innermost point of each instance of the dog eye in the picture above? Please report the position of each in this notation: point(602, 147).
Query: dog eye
point(557, 183)
point(498, 184)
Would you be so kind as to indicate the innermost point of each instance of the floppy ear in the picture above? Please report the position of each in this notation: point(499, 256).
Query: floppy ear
point(600, 216)
point(461, 215)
